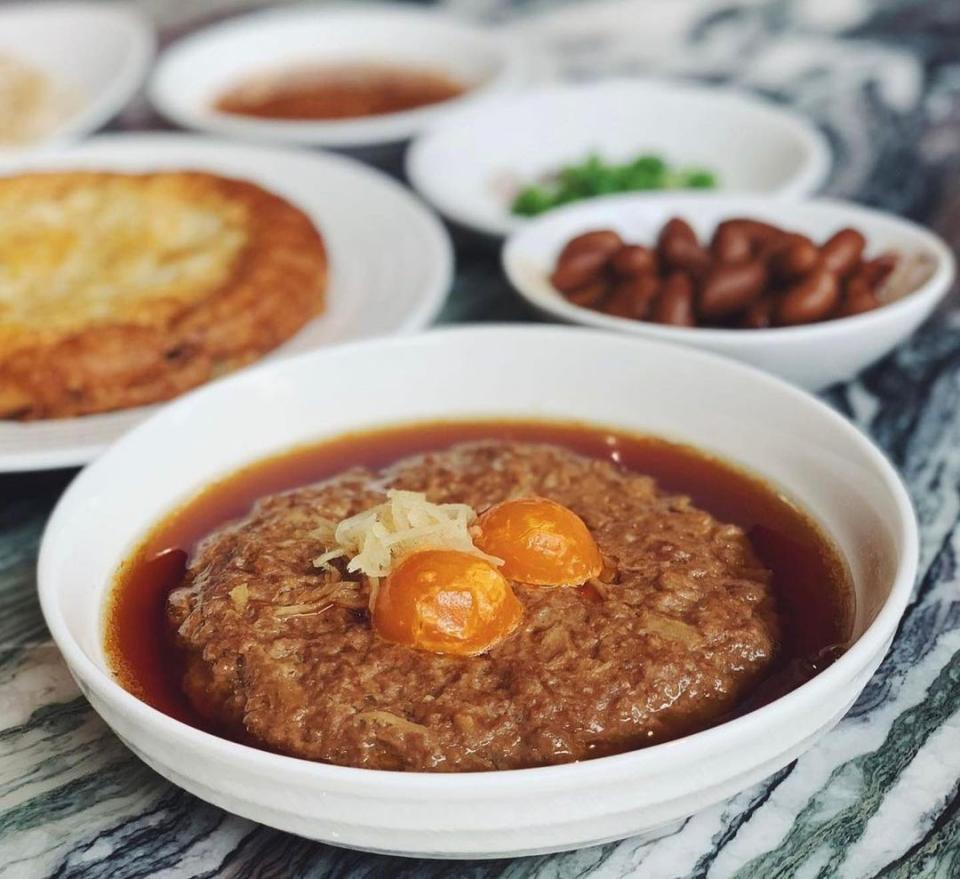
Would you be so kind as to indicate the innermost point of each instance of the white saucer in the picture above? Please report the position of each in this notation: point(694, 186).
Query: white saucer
point(196, 70)
point(391, 261)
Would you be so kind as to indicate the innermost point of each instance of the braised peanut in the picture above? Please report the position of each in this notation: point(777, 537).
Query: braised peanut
point(577, 269)
point(591, 294)
point(678, 248)
point(623, 303)
point(857, 301)
point(876, 271)
point(729, 288)
point(760, 235)
point(842, 252)
point(810, 299)
point(794, 256)
point(675, 228)
point(605, 241)
point(759, 315)
point(631, 297)
point(859, 295)
point(857, 285)
point(634, 259)
point(674, 305)
point(731, 244)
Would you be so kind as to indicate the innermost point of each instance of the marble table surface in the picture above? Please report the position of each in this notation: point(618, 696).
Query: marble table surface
point(879, 795)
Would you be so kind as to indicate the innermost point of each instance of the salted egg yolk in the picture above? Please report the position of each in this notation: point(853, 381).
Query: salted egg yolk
point(541, 542)
point(446, 601)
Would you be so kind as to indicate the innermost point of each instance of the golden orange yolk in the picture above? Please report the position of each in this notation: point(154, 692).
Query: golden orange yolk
point(541, 542)
point(446, 601)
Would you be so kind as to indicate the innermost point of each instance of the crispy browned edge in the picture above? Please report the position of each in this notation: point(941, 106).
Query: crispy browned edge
point(278, 282)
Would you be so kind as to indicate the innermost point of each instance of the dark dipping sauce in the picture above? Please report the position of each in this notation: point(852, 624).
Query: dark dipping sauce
point(809, 580)
point(343, 92)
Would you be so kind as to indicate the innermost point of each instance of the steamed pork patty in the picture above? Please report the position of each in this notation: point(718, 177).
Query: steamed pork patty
point(678, 625)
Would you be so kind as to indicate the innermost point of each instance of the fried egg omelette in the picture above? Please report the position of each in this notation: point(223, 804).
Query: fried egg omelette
point(118, 290)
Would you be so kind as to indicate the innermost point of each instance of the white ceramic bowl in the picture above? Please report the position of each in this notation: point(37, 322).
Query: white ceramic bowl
point(195, 71)
point(797, 443)
point(101, 50)
point(472, 163)
point(812, 356)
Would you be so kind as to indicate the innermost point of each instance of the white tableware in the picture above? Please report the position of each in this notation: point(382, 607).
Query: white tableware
point(800, 445)
point(99, 52)
point(195, 71)
point(391, 262)
point(813, 356)
point(473, 163)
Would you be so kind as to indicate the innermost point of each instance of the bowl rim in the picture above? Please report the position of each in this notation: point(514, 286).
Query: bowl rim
point(108, 101)
point(553, 302)
point(351, 132)
point(814, 169)
point(873, 641)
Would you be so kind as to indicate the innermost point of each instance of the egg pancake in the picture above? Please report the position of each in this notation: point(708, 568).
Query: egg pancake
point(118, 290)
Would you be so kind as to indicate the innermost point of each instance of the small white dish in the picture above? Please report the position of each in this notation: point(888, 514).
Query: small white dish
point(195, 71)
point(813, 356)
point(471, 165)
point(100, 52)
point(391, 262)
point(791, 439)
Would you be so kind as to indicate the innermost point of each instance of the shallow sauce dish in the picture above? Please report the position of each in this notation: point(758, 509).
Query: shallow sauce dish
point(195, 72)
point(471, 165)
point(812, 356)
point(791, 440)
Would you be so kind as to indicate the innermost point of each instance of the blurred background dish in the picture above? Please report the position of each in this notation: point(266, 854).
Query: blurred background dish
point(122, 290)
point(813, 355)
point(67, 68)
point(341, 76)
point(473, 165)
point(390, 261)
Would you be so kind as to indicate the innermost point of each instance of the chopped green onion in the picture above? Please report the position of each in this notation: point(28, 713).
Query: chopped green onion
point(594, 176)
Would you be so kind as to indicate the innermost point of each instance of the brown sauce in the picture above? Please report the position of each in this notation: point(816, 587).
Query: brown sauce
point(344, 92)
point(811, 583)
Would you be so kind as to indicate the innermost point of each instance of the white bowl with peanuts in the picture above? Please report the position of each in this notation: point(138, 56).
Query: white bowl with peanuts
point(814, 291)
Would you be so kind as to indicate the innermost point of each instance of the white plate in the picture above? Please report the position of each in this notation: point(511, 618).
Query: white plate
point(391, 262)
point(471, 163)
point(799, 444)
point(813, 356)
point(102, 50)
point(195, 71)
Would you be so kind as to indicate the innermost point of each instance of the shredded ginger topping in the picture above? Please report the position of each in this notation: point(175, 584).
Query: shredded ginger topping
point(405, 523)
